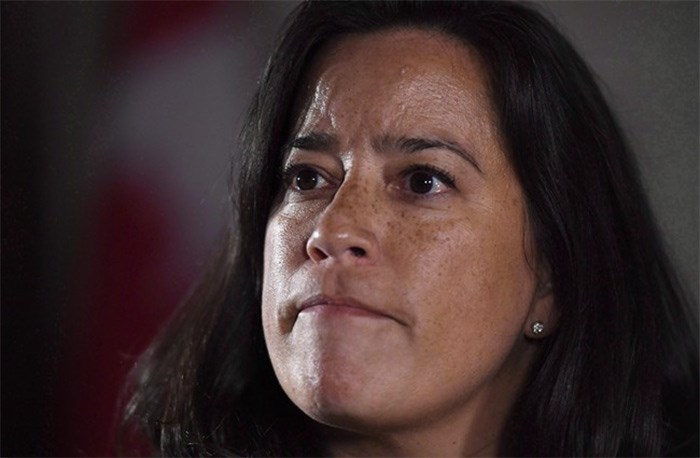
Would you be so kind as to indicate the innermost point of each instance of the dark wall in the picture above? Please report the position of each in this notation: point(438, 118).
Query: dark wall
point(646, 57)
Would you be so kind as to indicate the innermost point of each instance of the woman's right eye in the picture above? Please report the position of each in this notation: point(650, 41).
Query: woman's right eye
point(303, 178)
point(306, 180)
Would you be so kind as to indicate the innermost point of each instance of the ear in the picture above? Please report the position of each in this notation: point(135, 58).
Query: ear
point(544, 315)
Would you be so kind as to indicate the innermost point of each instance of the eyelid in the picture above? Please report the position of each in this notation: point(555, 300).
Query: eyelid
point(443, 175)
point(292, 169)
point(445, 182)
point(323, 162)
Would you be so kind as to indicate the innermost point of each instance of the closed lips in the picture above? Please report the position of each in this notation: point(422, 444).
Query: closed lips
point(349, 303)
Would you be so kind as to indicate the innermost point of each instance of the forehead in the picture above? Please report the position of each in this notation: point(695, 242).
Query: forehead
point(401, 52)
point(400, 82)
point(407, 73)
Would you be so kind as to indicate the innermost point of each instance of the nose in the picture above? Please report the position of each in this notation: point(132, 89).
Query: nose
point(344, 232)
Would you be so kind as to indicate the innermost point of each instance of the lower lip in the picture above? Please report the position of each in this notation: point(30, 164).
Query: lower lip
point(341, 310)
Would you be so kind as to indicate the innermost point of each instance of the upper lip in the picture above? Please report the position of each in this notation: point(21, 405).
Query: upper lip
point(322, 299)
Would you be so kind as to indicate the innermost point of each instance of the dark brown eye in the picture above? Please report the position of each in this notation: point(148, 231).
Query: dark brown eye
point(421, 182)
point(426, 180)
point(306, 180)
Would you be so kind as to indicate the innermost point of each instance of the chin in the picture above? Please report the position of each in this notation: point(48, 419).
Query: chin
point(344, 373)
point(342, 400)
point(355, 418)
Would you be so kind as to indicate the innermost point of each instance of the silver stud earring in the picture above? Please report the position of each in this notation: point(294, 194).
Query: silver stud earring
point(537, 327)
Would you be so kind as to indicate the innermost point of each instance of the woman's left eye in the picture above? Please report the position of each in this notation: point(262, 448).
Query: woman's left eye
point(426, 180)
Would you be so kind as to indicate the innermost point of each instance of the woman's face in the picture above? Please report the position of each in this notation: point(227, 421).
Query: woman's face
point(399, 285)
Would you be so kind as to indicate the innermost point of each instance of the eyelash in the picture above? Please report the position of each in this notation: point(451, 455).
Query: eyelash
point(290, 172)
point(443, 175)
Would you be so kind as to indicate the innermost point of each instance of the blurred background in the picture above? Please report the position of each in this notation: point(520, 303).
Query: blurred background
point(119, 122)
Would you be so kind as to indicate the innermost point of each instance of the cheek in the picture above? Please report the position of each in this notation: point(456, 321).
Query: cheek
point(285, 246)
point(283, 249)
point(471, 297)
point(468, 272)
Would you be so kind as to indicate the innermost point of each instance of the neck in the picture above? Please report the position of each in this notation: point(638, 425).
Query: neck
point(443, 442)
point(471, 430)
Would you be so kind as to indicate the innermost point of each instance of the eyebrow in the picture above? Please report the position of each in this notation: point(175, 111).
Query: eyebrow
point(416, 144)
point(313, 141)
point(322, 142)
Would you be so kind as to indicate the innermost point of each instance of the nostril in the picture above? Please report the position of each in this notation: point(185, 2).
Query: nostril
point(358, 252)
point(318, 254)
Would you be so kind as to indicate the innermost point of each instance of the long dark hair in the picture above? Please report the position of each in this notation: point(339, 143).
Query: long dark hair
point(619, 376)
